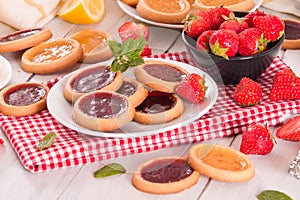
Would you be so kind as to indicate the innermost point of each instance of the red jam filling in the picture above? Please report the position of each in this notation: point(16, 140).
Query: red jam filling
point(128, 88)
point(20, 34)
point(164, 72)
point(103, 105)
point(93, 79)
point(157, 102)
point(24, 95)
point(292, 30)
point(166, 171)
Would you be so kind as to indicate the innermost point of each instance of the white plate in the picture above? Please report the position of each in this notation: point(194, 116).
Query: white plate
point(61, 109)
point(5, 72)
point(131, 11)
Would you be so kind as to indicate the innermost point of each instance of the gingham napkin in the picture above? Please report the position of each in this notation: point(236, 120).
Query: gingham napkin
point(22, 14)
point(71, 148)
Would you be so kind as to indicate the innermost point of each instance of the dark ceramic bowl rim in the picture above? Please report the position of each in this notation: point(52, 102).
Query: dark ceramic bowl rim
point(277, 43)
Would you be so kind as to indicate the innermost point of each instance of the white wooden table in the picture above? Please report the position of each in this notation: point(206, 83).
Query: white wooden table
point(79, 183)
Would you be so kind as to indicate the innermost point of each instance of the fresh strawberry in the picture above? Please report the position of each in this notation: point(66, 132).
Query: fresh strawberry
point(192, 88)
point(290, 130)
point(247, 92)
point(216, 16)
point(286, 86)
point(203, 40)
point(271, 26)
point(1, 141)
point(256, 140)
point(147, 51)
point(234, 23)
point(224, 43)
point(196, 22)
point(251, 42)
point(133, 30)
point(249, 17)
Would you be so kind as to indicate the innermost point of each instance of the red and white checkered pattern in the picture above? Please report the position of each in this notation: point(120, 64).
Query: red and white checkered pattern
point(71, 148)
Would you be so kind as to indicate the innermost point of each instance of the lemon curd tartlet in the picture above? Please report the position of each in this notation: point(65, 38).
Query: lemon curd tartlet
point(234, 5)
point(51, 56)
point(94, 44)
point(221, 163)
point(164, 11)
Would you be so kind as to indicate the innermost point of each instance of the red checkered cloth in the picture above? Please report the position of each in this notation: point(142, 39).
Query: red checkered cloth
point(71, 148)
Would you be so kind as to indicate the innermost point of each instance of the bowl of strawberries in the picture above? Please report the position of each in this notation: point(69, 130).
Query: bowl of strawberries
point(232, 45)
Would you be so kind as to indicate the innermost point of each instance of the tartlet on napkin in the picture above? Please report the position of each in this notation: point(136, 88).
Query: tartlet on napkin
point(24, 14)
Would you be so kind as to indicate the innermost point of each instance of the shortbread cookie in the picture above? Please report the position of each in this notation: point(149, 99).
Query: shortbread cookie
point(234, 5)
point(24, 39)
point(167, 11)
point(89, 79)
point(159, 107)
point(23, 99)
point(51, 56)
point(134, 90)
point(165, 175)
point(159, 75)
point(94, 44)
point(103, 111)
point(220, 162)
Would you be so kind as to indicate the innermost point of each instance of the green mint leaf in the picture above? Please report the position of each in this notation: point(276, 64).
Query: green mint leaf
point(127, 54)
point(47, 141)
point(273, 195)
point(122, 63)
point(115, 47)
point(109, 170)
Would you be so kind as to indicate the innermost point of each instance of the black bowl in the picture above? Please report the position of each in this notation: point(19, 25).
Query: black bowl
point(231, 71)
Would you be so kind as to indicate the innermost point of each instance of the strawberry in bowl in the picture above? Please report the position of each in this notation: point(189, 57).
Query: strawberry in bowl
point(241, 45)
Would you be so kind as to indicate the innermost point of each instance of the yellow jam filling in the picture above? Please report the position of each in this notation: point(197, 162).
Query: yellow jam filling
point(91, 40)
point(223, 159)
point(52, 53)
point(220, 2)
point(167, 6)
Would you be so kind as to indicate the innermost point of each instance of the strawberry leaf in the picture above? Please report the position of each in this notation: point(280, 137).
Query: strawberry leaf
point(127, 54)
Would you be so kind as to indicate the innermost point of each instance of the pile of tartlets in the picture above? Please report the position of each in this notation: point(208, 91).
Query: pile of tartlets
point(104, 100)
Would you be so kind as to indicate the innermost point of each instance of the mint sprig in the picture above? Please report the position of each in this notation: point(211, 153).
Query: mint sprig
point(127, 54)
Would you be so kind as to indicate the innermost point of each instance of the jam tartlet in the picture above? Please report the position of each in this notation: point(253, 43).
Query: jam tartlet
point(23, 99)
point(94, 44)
point(167, 11)
point(97, 77)
point(165, 175)
point(159, 75)
point(221, 163)
point(51, 56)
point(291, 34)
point(134, 90)
point(234, 5)
point(24, 39)
point(103, 111)
point(159, 107)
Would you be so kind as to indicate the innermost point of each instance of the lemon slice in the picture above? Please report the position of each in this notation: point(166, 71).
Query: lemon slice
point(82, 11)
